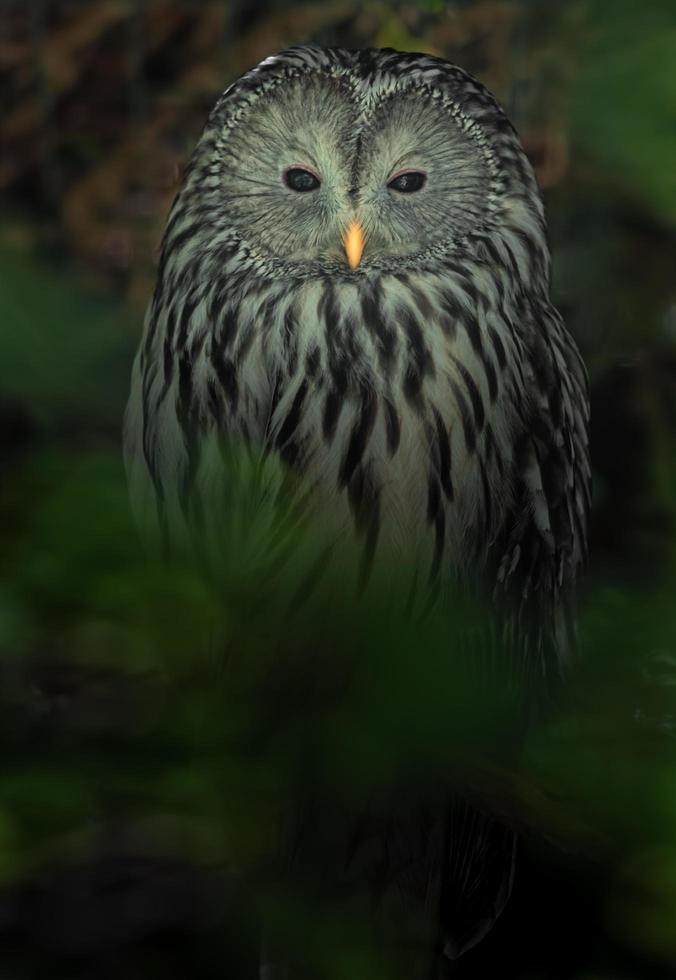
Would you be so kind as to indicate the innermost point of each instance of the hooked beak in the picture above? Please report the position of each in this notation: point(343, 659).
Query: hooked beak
point(353, 240)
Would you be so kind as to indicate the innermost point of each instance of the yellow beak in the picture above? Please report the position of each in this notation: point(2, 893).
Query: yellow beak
point(353, 240)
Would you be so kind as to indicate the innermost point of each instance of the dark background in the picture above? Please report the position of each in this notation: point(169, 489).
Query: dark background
point(132, 795)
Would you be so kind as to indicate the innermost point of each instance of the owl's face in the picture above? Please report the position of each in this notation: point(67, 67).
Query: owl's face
point(338, 171)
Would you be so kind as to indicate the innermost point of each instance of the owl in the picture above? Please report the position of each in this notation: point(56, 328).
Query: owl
point(354, 282)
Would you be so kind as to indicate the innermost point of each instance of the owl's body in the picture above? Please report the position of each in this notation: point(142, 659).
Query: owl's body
point(427, 394)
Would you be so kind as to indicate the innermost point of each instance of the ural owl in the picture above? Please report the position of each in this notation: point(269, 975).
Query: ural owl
point(354, 279)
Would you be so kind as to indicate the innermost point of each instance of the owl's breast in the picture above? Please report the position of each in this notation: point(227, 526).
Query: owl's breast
point(391, 401)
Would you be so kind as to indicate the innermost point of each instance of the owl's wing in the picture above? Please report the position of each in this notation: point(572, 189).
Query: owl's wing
point(144, 490)
point(193, 400)
point(538, 556)
point(543, 543)
point(198, 421)
point(157, 449)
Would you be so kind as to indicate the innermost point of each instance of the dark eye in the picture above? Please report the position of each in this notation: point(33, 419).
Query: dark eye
point(408, 182)
point(300, 179)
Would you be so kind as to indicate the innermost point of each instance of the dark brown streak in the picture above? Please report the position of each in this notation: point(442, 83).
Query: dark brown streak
point(392, 426)
point(360, 435)
point(474, 394)
point(444, 462)
point(291, 421)
point(467, 426)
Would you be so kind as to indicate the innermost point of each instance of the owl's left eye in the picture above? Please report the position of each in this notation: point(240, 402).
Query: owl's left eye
point(408, 181)
point(300, 179)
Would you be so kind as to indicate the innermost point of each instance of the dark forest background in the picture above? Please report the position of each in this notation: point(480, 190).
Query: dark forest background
point(139, 781)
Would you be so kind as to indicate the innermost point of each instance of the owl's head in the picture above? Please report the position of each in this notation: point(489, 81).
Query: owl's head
point(350, 161)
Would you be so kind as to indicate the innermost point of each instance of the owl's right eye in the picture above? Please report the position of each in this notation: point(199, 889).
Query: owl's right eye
point(300, 179)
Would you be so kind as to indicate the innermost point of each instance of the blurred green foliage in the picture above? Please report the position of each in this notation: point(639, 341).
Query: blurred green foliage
point(623, 99)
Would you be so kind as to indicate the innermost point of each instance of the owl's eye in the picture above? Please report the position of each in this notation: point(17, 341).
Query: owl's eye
point(408, 181)
point(300, 179)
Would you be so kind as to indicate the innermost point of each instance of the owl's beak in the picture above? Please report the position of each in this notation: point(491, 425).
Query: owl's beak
point(353, 240)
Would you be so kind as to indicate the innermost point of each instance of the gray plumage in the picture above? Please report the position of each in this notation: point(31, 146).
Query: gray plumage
point(430, 398)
